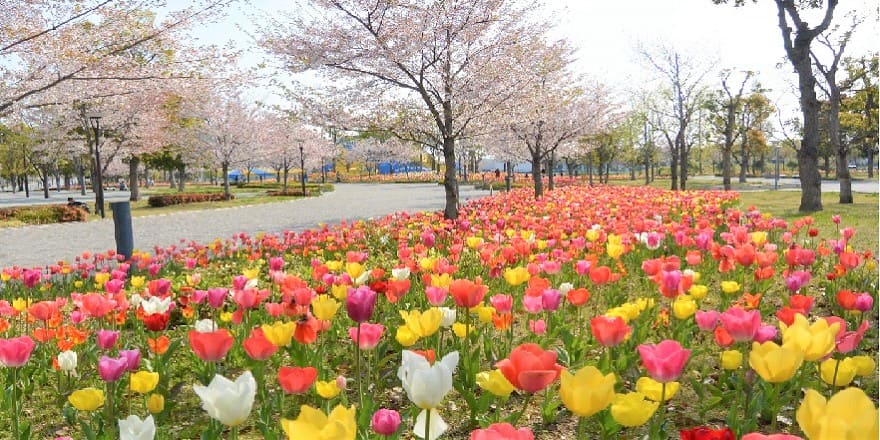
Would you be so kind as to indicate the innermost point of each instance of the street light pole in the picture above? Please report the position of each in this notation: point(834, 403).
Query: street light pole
point(302, 169)
point(776, 180)
point(98, 183)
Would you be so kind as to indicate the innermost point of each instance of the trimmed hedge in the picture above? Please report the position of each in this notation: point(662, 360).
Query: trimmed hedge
point(159, 201)
point(289, 193)
point(43, 215)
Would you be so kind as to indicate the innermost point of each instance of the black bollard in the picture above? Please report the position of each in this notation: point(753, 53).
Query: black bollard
point(122, 228)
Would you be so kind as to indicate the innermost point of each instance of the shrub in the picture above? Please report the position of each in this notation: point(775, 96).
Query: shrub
point(41, 215)
point(159, 201)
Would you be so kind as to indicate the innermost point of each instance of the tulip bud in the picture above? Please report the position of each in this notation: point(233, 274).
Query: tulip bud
point(156, 403)
point(385, 421)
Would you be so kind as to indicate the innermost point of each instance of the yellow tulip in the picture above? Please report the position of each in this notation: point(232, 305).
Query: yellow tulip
point(20, 304)
point(773, 363)
point(586, 392)
point(644, 303)
point(327, 389)
point(137, 281)
point(354, 269)
point(442, 280)
point(684, 307)
point(143, 382)
point(251, 273)
point(698, 291)
point(313, 424)
point(864, 365)
point(849, 414)
point(225, 316)
point(333, 265)
point(324, 307)
point(279, 333)
point(461, 330)
point(632, 409)
point(815, 341)
point(614, 250)
point(339, 291)
point(87, 399)
point(405, 336)
point(156, 403)
point(474, 242)
point(5, 276)
point(516, 275)
point(485, 313)
point(731, 359)
point(423, 324)
point(730, 287)
point(101, 278)
point(427, 263)
point(495, 382)
point(844, 374)
point(654, 390)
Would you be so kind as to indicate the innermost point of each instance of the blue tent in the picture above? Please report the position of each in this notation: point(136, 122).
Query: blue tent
point(237, 175)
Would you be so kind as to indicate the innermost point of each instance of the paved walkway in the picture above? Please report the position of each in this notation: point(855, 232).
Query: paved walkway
point(45, 244)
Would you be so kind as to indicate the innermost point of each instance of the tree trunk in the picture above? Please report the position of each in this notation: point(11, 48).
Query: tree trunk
point(181, 177)
point(590, 167)
point(871, 163)
point(450, 183)
point(551, 165)
point(726, 168)
point(683, 166)
point(44, 176)
point(536, 173)
point(81, 176)
point(673, 169)
point(743, 162)
point(133, 165)
point(226, 193)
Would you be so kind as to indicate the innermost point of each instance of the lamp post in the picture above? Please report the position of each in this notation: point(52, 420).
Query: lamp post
point(98, 183)
point(302, 169)
point(776, 179)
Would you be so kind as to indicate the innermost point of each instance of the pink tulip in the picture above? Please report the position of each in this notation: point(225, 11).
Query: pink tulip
point(741, 324)
point(582, 267)
point(706, 320)
point(199, 296)
point(864, 302)
point(31, 277)
point(385, 421)
point(502, 303)
point(759, 436)
point(664, 361)
point(436, 295)
point(371, 334)
point(216, 297)
point(533, 304)
point(15, 352)
point(276, 263)
point(107, 339)
point(239, 281)
point(111, 369)
point(502, 431)
point(765, 333)
point(538, 327)
point(114, 286)
point(360, 303)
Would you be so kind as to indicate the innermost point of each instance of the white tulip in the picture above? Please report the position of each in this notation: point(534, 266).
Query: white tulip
point(448, 317)
point(133, 428)
point(564, 288)
point(67, 360)
point(205, 326)
point(155, 305)
point(401, 273)
point(426, 385)
point(227, 401)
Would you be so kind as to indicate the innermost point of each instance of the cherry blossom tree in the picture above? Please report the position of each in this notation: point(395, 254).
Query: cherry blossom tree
point(457, 58)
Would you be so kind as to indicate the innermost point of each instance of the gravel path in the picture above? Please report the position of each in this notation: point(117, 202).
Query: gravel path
point(39, 245)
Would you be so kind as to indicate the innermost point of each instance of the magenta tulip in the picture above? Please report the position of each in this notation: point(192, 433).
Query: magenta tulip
point(360, 303)
point(216, 297)
point(132, 359)
point(385, 421)
point(15, 352)
point(664, 361)
point(107, 339)
point(111, 369)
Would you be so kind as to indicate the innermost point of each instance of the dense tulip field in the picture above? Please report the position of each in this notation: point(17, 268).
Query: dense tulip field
point(604, 312)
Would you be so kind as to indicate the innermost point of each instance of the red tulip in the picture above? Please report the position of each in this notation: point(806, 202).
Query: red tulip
point(530, 368)
point(467, 293)
point(157, 321)
point(664, 361)
point(600, 275)
point(257, 346)
point(15, 352)
point(704, 433)
point(210, 346)
point(502, 431)
point(609, 330)
point(296, 380)
point(578, 297)
point(96, 305)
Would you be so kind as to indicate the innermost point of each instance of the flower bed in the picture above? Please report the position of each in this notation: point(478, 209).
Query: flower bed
point(605, 312)
point(159, 201)
point(40, 215)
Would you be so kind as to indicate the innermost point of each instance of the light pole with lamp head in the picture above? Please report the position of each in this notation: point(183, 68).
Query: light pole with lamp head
point(302, 169)
point(98, 182)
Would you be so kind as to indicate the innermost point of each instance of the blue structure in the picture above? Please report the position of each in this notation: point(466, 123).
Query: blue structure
point(397, 168)
point(236, 176)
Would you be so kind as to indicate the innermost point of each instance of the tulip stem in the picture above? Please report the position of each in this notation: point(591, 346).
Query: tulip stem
point(523, 410)
point(834, 378)
point(15, 427)
point(233, 433)
point(581, 428)
point(428, 424)
point(357, 367)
